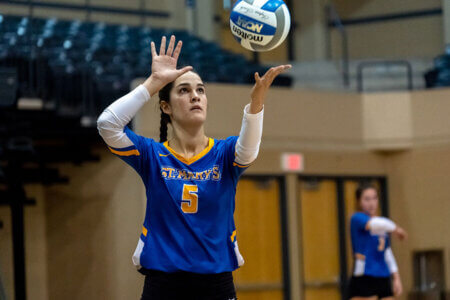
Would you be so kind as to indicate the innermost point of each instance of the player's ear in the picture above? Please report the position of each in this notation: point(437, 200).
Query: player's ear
point(166, 107)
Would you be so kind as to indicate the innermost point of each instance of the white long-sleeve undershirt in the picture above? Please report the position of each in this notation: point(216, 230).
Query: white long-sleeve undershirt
point(390, 261)
point(115, 117)
point(247, 145)
point(381, 225)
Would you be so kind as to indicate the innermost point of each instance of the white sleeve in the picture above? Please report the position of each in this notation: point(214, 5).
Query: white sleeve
point(115, 117)
point(381, 225)
point(390, 260)
point(247, 145)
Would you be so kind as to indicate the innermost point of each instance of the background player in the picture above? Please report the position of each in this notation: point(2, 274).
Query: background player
point(374, 260)
point(188, 246)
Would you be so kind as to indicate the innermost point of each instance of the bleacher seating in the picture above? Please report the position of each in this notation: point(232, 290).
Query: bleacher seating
point(439, 76)
point(80, 67)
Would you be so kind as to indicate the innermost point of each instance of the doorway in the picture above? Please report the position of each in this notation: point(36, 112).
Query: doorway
point(260, 218)
point(326, 204)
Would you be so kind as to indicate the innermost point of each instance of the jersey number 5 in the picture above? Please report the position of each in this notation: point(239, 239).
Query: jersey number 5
point(189, 199)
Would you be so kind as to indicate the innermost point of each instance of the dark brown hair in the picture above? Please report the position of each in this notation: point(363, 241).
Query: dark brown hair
point(164, 95)
point(362, 188)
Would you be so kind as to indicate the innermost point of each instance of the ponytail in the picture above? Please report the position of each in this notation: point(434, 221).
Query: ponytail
point(164, 95)
point(165, 119)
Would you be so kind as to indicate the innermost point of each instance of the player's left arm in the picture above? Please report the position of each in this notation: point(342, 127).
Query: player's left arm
point(393, 269)
point(247, 146)
point(382, 225)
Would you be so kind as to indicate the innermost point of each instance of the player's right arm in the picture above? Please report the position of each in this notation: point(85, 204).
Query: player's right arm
point(123, 142)
point(111, 123)
point(113, 120)
point(377, 225)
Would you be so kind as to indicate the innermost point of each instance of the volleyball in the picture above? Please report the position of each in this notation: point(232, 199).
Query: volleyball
point(260, 25)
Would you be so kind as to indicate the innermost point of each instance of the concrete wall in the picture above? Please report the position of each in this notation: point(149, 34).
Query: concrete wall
point(93, 226)
point(413, 37)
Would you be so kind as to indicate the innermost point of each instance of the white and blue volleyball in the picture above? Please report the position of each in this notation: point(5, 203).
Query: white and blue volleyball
point(260, 25)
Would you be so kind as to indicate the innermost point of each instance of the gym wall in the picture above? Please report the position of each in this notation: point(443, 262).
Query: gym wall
point(409, 37)
point(80, 237)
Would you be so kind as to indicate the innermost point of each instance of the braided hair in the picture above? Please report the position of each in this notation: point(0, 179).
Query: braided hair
point(164, 95)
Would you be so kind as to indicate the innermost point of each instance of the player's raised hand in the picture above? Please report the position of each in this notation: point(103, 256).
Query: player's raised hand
point(164, 65)
point(262, 85)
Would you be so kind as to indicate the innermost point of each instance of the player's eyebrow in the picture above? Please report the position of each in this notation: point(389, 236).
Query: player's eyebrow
point(188, 84)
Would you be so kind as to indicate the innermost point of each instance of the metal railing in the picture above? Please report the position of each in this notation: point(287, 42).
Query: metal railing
point(370, 64)
point(334, 20)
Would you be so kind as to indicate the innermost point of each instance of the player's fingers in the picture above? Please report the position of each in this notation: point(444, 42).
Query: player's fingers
point(286, 67)
point(162, 49)
point(275, 72)
point(278, 70)
point(184, 70)
point(281, 69)
point(269, 73)
point(153, 47)
point(177, 51)
point(257, 78)
point(171, 46)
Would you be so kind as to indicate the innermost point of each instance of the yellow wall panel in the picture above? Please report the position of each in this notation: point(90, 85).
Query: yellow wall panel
point(258, 228)
point(320, 239)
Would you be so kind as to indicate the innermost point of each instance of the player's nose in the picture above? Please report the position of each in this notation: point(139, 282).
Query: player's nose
point(195, 97)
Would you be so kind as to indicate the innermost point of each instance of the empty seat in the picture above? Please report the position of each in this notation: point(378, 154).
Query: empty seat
point(439, 76)
point(66, 61)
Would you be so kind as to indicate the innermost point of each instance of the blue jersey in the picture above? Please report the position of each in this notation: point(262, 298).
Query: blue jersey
point(189, 223)
point(368, 249)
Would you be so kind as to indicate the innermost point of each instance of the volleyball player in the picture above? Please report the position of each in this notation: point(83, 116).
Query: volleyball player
point(375, 274)
point(188, 246)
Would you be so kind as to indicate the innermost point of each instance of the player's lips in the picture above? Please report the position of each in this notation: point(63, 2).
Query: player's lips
point(196, 107)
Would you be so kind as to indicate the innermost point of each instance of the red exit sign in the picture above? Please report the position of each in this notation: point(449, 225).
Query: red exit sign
point(292, 162)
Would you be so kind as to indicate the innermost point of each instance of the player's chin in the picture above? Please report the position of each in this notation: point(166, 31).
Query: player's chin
point(197, 118)
point(373, 211)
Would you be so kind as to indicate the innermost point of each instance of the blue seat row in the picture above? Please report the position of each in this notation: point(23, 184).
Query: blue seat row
point(439, 76)
point(78, 42)
point(65, 61)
